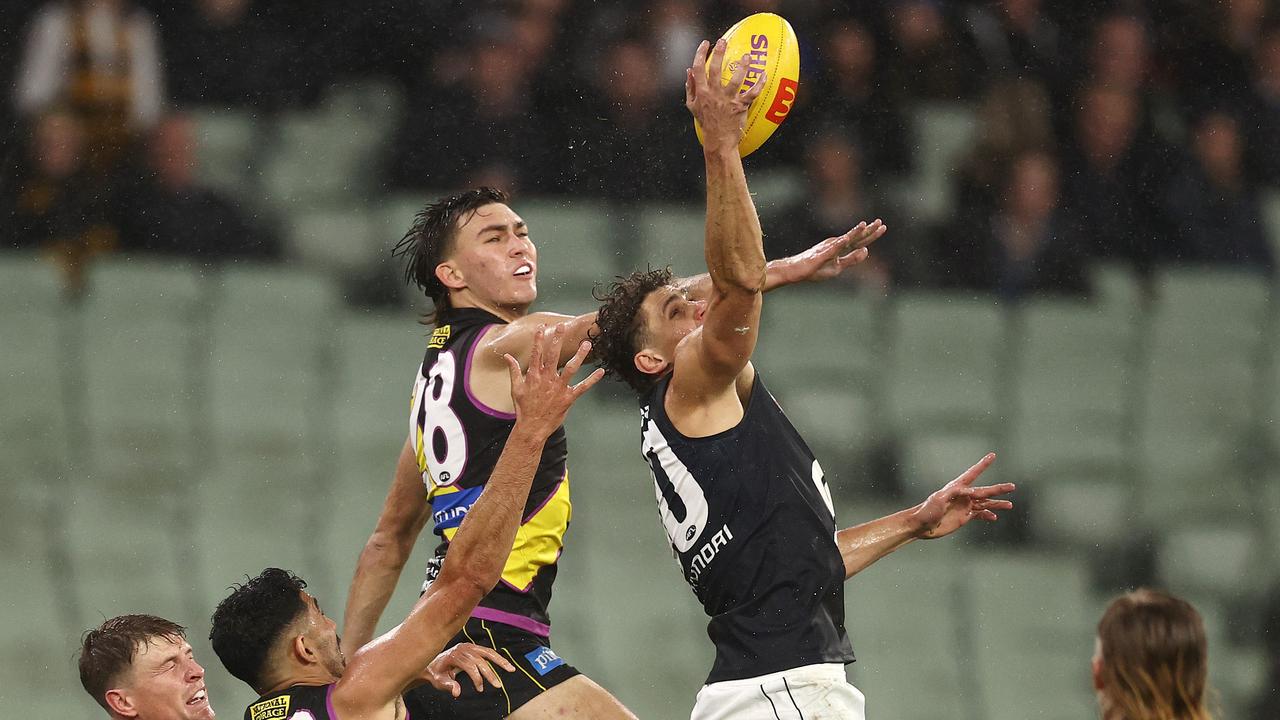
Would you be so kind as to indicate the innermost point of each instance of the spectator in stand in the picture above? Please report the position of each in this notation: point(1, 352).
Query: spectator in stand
point(1017, 38)
point(850, 89)
point(929, 61)
point(100, 59)
point(1013, 118)
point(1026, 246)
point(1120, 54)
point(169, 212)
point(1213, 66)
point(221, 53)
point(59, 208)
point(1261, 119)
point(632, 142)
point(1218, 217)
point(835, 191)
point(482, 127)
point(1115, 178)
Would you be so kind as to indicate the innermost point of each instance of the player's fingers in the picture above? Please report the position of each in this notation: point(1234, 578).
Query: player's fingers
point(551, 355)
point(490, 675)
point(453, 687)
point(987, 491)
point(739, 74)
point(994, 505)
point(472, 669)
point(853, 258)
point(987, 515)
point(717, 64)
point(587, 382)
point(513, 369)
point(700, 56)
point(535, 353)
point(494, 656)
point(689, 93)
point(754, 91)
point(575, 362)
point(968, 476)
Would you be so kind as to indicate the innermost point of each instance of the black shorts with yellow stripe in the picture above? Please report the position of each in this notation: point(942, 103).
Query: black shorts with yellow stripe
point(538, 669)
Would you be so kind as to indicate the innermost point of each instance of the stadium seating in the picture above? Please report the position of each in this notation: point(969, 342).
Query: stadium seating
point(227, 144)
point(944, 365)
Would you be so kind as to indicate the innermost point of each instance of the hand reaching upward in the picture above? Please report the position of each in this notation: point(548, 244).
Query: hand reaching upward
point(958, 502)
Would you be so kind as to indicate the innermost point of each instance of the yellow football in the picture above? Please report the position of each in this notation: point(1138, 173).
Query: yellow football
point(774, 53)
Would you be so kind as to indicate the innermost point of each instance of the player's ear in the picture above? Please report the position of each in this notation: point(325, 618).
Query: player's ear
point(650, 362)
point(120, 703)
point(1096, 667)
point(450, 275)
point(302, 650)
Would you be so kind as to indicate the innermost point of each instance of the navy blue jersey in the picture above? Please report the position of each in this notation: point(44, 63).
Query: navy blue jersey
point(750, 519)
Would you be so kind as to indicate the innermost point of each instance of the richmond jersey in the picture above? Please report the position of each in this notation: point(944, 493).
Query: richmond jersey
point(457, 440)
point(302, 702)
point(750, 519)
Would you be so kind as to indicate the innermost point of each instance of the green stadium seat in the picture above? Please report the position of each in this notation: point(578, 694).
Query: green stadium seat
point(929, 461)
point(142, 334)
point(1030, 627)
point(1201, 383)
point(227, 144)
point(943, 134)
point(1117, 289)
point(673, 235)
point(945, 363)
point(337, 240)
point(1086, 512)
point(33, 367)
point(1072, 379)
point(271, 385)
point(904, 624)
point(1271, 216)
point(316, 159)
point(1218, 559)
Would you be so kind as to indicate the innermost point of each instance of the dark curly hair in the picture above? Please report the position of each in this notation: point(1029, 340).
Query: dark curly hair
point(108, 650)
point(428, 240)
point(251, 619)
point(621, 328)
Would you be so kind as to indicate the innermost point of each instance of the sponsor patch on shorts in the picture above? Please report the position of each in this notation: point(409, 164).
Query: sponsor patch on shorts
point(276, 707)
point(543, 659)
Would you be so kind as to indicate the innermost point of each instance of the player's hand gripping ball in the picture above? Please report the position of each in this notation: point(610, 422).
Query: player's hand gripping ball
point(775, 55)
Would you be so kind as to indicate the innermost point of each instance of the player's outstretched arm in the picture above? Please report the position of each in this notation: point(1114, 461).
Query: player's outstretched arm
point(404, 514)
point(516, 337)
point(734, 248)
point(942, 513)
point(382, 669)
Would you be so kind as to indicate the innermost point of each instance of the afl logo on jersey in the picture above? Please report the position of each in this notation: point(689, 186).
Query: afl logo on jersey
point(691, 533)
point(444, 477)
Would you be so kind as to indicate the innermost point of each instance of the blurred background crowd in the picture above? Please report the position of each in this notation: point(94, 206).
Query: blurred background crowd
point(1122, 152)
point(1138, 131)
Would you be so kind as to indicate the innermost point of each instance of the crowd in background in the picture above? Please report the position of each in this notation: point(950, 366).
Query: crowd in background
point(1137, 131)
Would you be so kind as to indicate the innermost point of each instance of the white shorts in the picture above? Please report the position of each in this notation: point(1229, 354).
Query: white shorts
point(812, 692)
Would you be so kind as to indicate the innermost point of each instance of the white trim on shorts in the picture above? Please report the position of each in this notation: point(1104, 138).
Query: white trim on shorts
point(810, 692)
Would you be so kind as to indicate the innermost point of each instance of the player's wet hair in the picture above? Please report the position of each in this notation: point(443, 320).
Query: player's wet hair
point(621, 330)
point(430, 238)
point(252, 618)
point(108, 650)
point(1155, 657)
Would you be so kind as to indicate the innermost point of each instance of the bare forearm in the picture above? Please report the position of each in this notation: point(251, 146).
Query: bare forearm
point(480, 548)
point(734, 243)
point(699, 287)
point(862, 545)
point(377, 573)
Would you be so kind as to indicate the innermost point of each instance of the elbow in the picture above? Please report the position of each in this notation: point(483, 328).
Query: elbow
point(391, 547)
point(468, 587)
point(746, 282)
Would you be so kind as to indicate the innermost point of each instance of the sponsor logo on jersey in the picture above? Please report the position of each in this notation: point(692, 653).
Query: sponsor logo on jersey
point(276, 707)
point(708, 552)
point(448, 509)
point(439, 337)
point(544, 660)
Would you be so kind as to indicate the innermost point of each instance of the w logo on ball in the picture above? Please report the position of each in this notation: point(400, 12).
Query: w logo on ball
point(782, 101)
